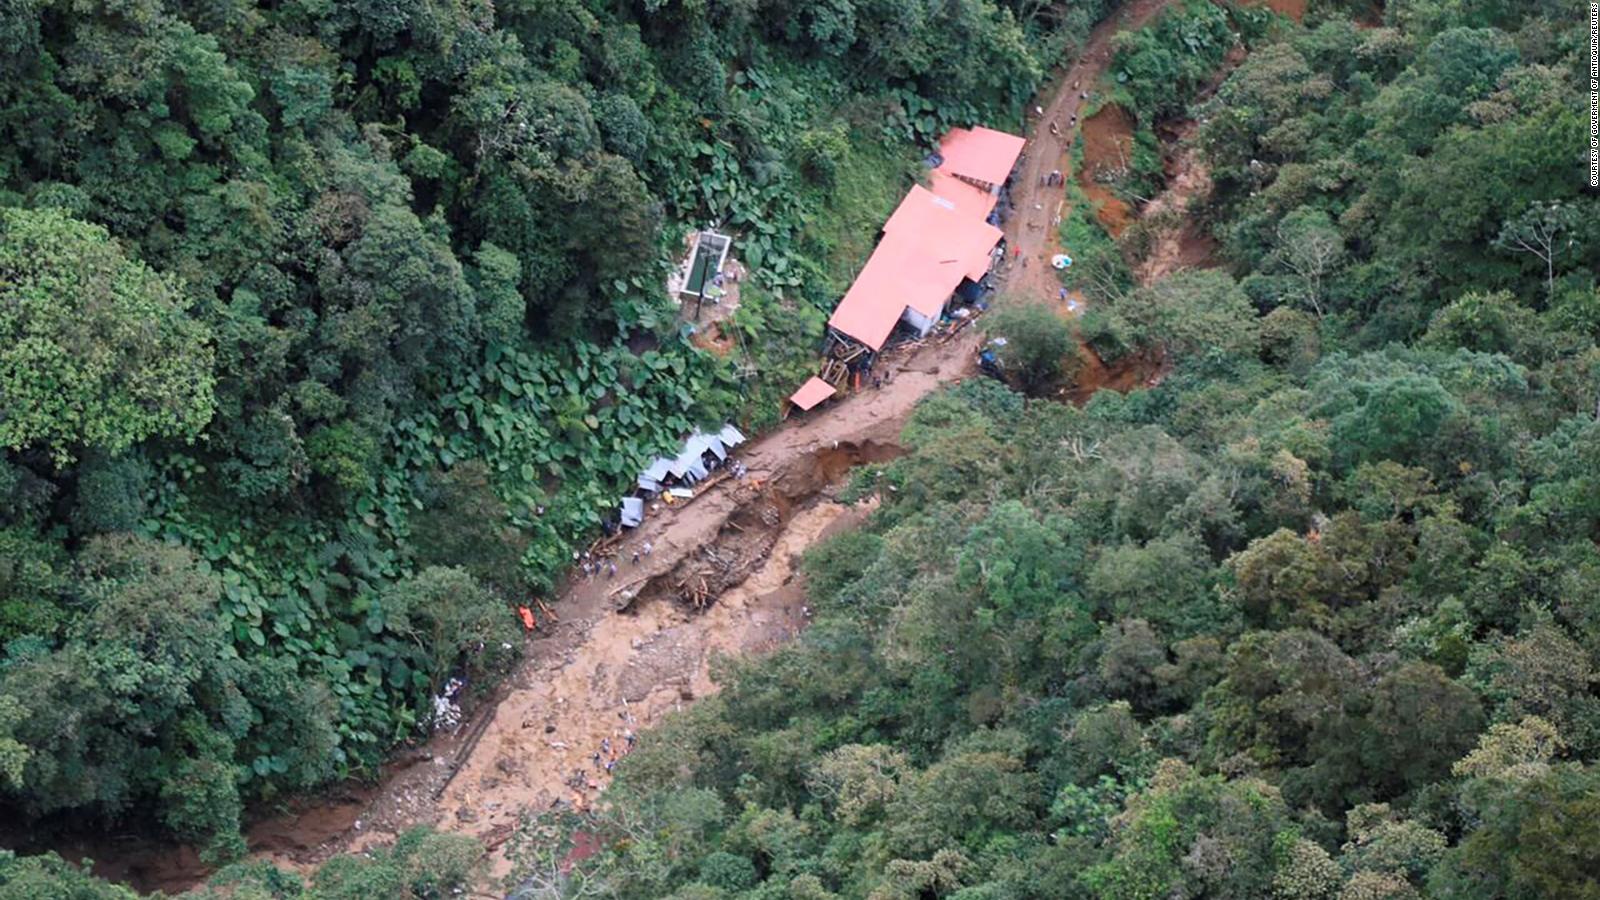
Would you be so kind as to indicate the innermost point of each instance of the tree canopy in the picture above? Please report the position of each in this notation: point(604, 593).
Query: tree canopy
point(328, 331)
point(96, 350)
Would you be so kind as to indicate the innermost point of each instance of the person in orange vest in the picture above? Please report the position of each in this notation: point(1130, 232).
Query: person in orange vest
point(526, 614)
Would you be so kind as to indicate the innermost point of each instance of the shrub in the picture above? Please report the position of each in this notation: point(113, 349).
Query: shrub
point(1038, 344)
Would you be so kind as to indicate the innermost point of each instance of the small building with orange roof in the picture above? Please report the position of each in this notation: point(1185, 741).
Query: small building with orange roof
point(814, 391)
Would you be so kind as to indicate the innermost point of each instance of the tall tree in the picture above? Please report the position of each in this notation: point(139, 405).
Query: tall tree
point(1543, 231)
point(96, 350)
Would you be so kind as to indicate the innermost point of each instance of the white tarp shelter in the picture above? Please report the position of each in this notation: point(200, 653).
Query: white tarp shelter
point(689, 465)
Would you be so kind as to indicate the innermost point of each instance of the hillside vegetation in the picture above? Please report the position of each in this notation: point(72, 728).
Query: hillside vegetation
point(326, 329)
point(1314, 618)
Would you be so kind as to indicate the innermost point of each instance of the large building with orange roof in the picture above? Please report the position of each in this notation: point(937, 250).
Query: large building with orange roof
point(982, 156)
point(938, 237)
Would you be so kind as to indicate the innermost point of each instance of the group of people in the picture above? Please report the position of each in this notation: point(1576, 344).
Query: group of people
point(591, 567)
point(607, 565)
point(1055, 126)
point(609, 754)
point(605, 758)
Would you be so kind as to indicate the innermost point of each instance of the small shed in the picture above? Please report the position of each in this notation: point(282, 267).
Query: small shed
point(650, 479)
point(814, 391)
point(690, 464)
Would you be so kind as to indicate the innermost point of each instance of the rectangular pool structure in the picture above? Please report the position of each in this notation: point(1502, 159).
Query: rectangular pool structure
point(705, 261)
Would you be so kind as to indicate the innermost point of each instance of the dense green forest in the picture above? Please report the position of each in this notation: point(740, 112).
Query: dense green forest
point(309, 308)
point(327, 329)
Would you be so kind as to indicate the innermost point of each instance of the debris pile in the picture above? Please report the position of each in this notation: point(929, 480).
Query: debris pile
point(445, 712)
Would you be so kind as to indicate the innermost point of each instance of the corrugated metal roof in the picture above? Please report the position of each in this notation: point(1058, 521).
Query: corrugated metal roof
point(658, 469)
point(632, 511)
point(689, 463)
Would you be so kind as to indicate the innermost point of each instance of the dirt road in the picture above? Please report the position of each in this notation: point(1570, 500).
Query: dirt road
point(1032, 232)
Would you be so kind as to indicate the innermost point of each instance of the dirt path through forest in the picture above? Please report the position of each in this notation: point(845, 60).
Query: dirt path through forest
point(1032, 232)
point(628, 649)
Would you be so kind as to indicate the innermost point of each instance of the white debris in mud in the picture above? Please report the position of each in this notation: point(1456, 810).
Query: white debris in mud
point(446, 714)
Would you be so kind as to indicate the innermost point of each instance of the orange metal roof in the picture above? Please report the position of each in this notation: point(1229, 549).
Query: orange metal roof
point(879, 295)
point(929, 244)
point(933, 239)
point(941, 212)
point(982, 154)
point(968, 198)
point(811, 393)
